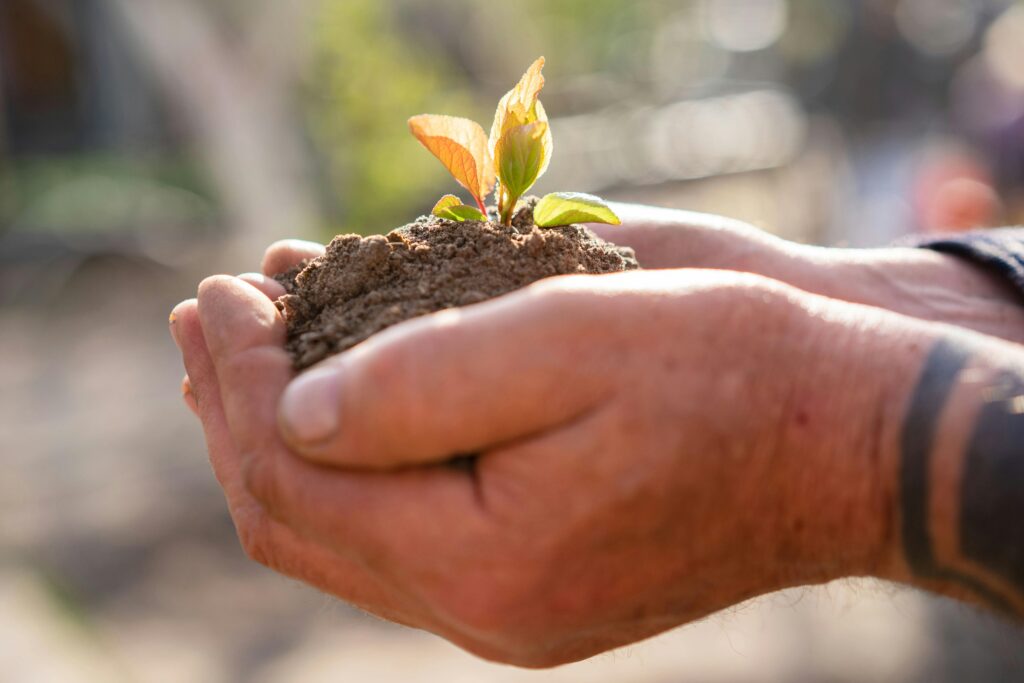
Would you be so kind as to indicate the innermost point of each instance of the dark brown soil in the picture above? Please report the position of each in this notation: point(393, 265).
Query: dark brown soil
point(365, 284)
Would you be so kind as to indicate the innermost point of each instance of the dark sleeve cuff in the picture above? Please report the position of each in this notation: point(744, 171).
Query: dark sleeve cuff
point(1000, 251)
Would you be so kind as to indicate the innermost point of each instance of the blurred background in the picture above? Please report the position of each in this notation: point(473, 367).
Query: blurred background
point(146, 143)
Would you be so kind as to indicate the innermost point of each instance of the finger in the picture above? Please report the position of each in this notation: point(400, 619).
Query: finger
point(452, 383)
point(283, 255)
point(224, 453)
point(658, 236)
point(268, 285)
point(383, 520)
point(655, 247)
point(405, 525)
point(244, 335)
point(186, 386)
point(269, 541)
point(671, 238)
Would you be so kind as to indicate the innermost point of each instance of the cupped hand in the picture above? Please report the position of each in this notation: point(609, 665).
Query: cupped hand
point(917, 282)
point(652, 447)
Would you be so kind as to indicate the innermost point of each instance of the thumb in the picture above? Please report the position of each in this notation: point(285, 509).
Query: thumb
point(452, 383)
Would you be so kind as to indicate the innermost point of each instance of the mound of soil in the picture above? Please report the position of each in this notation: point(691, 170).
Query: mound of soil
point(364, 284)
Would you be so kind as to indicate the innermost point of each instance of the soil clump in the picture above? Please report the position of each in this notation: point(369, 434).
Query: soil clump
point(363, 285)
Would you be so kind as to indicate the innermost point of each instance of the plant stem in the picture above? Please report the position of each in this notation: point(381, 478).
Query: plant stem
point(508, 209)
point(480, 205)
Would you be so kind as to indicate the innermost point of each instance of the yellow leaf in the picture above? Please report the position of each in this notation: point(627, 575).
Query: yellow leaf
point(520, 105)
point(444, 203)
point(461, 145)
point(452, 208)
point(545, 139)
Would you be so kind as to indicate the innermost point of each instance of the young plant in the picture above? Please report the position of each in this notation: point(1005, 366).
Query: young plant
point(520, 140)
point(516, 154)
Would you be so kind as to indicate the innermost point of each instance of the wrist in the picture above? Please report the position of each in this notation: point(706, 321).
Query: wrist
point(841, 438)
point(959, 474)
point(919, 283)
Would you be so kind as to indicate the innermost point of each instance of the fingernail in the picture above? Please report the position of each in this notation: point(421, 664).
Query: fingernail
point(309, 407)
point(172, 320)
point(189, 396)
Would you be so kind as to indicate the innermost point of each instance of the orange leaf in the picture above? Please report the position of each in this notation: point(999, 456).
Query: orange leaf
point(461, 145)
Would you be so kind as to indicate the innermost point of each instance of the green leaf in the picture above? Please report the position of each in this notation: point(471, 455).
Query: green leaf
point(522, 155)
point(452, 208)
point(464, 213)
point(445, 202)
point(565, 208)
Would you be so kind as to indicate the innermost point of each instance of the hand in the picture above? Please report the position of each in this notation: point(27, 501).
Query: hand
point(917, 282)
point(653, 447)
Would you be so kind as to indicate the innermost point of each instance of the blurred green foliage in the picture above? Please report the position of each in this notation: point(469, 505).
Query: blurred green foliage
point(586, 36)
point(364, 83)
point(104, 193)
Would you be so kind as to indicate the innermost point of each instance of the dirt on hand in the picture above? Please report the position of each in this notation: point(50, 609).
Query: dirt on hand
point(363, 285)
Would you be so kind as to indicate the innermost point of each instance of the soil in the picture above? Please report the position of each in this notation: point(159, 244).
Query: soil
point(363, 285)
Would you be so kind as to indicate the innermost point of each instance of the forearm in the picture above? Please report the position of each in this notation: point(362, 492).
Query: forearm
point(957, 474)
point(920, 283)
point(901, 454)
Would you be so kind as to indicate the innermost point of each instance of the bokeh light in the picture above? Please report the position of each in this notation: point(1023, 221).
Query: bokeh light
point(938, 28)
point(1004, 47)
point(745, 25)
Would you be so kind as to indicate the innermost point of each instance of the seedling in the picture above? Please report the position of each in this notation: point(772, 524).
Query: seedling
point(514, 156)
